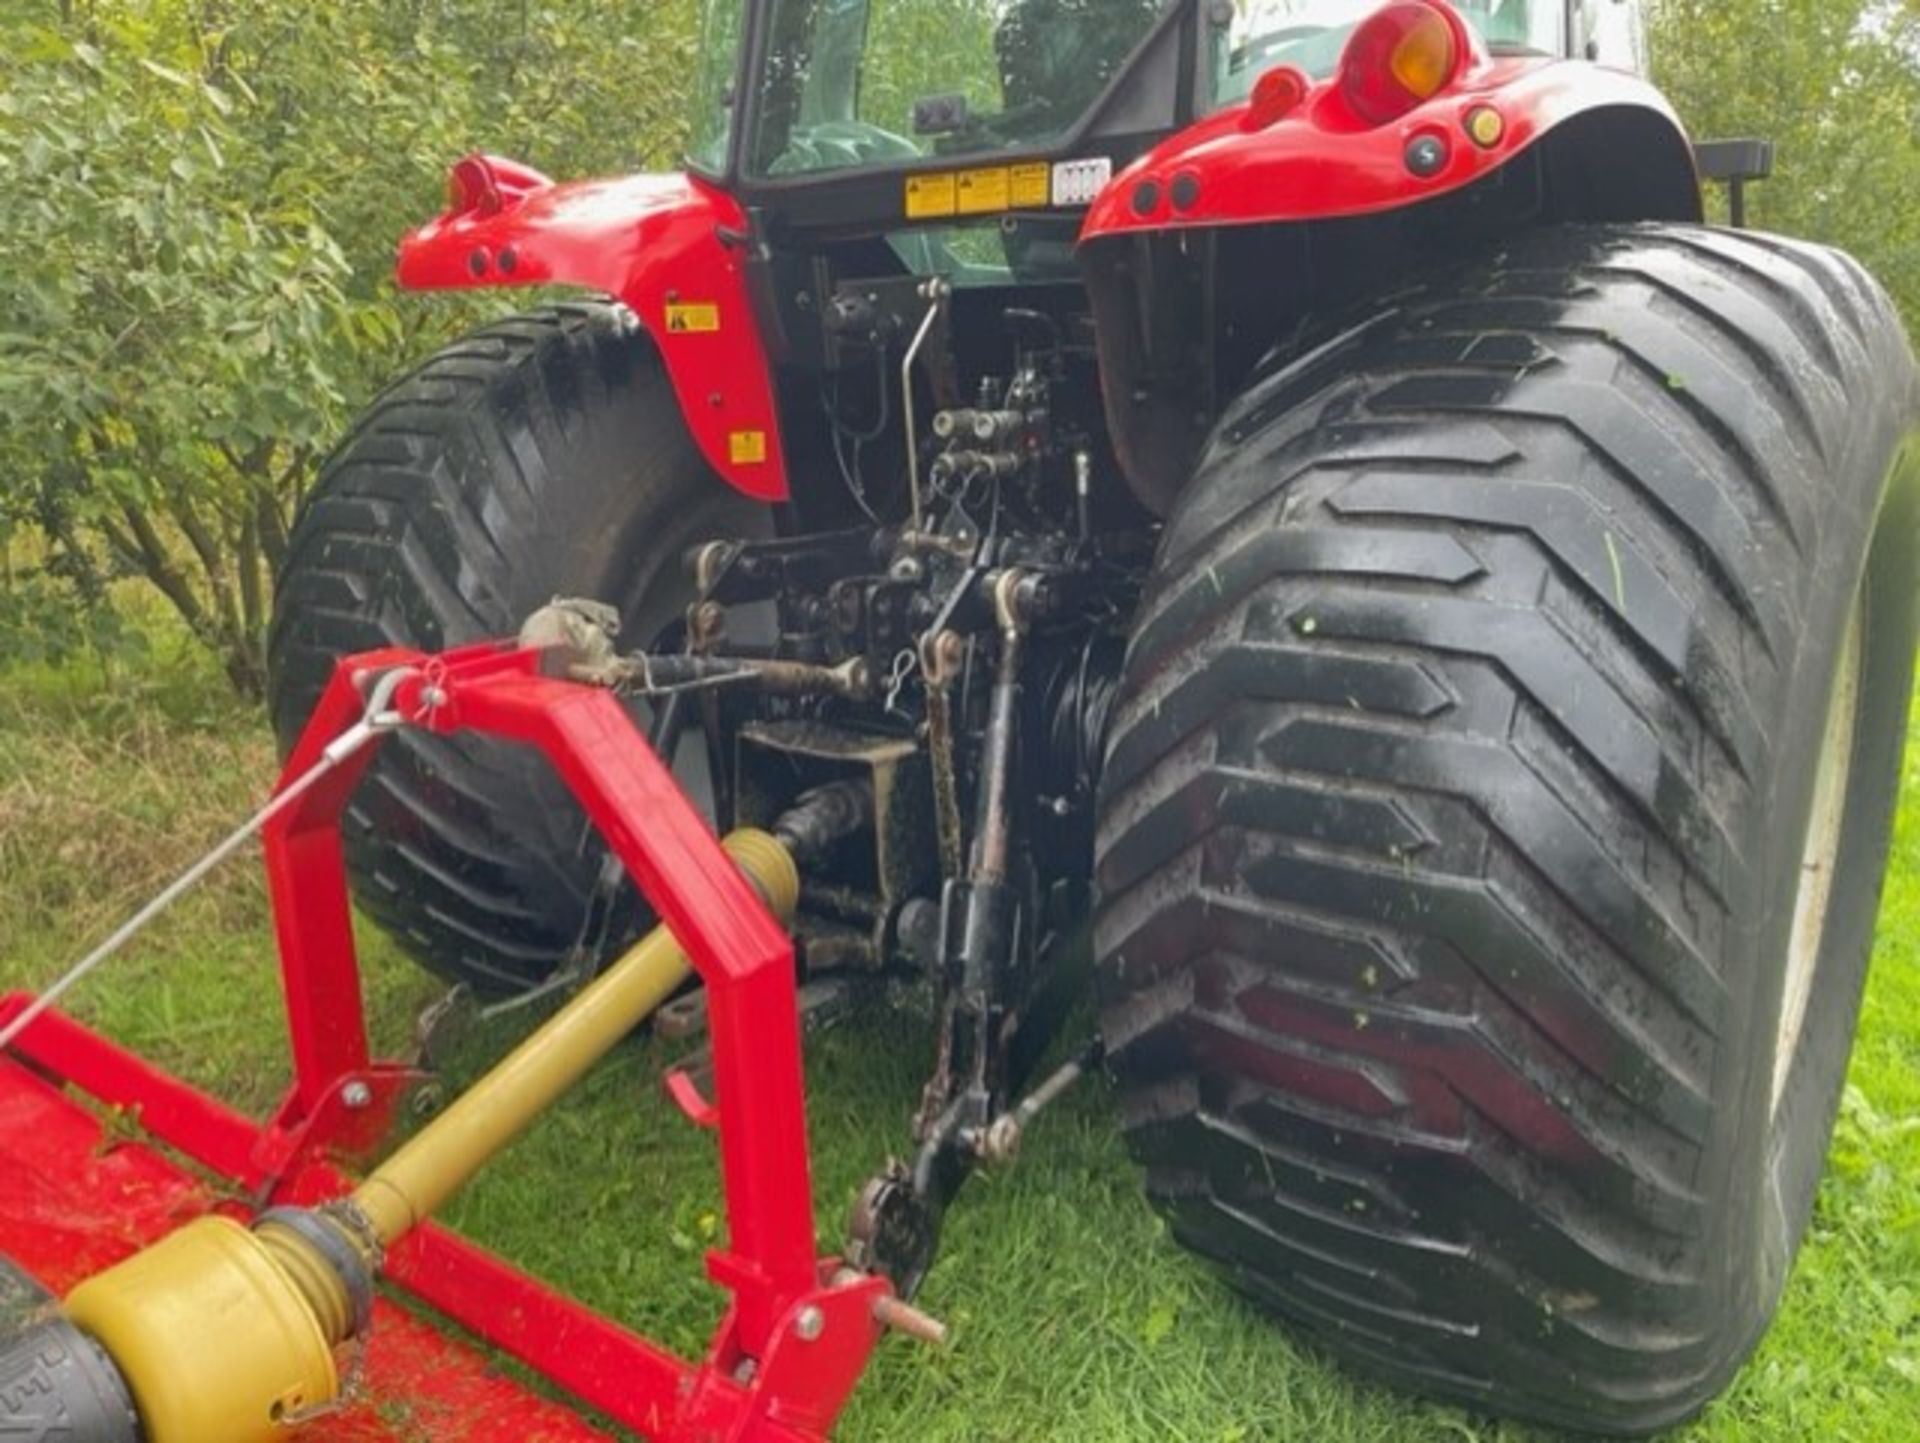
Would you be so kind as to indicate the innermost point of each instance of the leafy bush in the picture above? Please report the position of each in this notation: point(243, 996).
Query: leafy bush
point(203, 200)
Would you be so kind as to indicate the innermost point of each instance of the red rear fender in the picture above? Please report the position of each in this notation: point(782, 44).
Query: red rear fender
point(1321, 162)
point(670, 247)
point(1311, 206)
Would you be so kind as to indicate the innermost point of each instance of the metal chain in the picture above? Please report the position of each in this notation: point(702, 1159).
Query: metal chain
point(352, 1388)
point(377, 719)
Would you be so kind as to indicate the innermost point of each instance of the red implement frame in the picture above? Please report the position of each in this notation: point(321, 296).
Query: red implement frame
point(793, 1342)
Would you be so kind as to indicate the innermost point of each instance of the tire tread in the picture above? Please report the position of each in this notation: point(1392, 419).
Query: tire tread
point(1429, 802)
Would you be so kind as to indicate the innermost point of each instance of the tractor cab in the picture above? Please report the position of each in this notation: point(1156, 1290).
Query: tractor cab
point(1234, 166)
point(1155, 189)
point(840, 85)
point(791, 91)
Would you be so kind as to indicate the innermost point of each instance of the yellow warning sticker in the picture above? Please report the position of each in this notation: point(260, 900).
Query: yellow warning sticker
point(1032, 186)
point(747, 448)
point(692, 318)
point(982, 192)
point(929, 196)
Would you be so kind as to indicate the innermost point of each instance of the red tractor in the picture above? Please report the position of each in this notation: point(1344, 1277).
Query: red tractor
point(1283, 499)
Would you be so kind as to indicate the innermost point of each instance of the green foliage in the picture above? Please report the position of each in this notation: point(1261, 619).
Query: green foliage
point(44, 618)
point(1836, 83)
point(203, 200)
point(940, 48)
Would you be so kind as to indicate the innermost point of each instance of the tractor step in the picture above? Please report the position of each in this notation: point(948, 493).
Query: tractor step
point(80, 1192)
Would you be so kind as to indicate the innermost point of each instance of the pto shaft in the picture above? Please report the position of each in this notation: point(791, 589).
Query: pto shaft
point(225, 1334)
point(412, 1184)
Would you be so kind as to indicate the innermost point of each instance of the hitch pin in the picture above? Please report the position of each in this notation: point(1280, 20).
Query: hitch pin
point(897, 1314)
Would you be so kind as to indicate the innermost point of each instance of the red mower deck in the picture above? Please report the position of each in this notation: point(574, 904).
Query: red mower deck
point(75, 1198)
point(800, 1328)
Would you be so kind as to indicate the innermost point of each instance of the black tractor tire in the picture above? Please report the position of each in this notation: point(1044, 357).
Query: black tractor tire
point(1458, 801)
point(542, 456)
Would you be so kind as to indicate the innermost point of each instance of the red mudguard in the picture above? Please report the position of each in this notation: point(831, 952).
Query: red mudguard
point(669, 246)
point(1321, 161)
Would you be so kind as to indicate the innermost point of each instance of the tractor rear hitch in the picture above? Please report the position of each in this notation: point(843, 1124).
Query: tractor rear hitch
point(981, 942)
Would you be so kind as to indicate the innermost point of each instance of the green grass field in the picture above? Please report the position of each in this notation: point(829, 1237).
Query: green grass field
point(1075, 1317)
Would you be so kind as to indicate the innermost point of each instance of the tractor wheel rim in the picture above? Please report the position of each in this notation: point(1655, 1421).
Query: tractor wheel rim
point(1821, 853)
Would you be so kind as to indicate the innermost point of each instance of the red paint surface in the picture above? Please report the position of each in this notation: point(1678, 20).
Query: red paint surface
point(71, 1204)
point(1323, 161)
point(651, 240)
point(69, 1208)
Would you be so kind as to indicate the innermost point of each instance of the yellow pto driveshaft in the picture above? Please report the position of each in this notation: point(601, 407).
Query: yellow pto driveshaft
point(226, 1334)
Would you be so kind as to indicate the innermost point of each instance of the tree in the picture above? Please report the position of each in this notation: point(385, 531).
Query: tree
point(203, 202)
point(1836, 83)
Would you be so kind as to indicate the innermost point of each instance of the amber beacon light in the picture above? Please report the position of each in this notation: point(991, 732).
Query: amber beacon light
point(1404, 55)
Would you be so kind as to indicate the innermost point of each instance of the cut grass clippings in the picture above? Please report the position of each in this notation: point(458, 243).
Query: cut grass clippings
point(1076, 1318)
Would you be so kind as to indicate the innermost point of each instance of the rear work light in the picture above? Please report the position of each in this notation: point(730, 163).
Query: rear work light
point(1405, 54)
point(1276, 95)
point(486, 184)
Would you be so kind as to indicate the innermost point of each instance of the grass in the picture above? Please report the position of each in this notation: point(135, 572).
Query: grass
point(1076, 1317)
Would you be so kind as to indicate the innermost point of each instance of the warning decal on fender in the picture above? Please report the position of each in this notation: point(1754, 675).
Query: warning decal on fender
point(747, 448)
point(692, 318)
point(992, 190)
